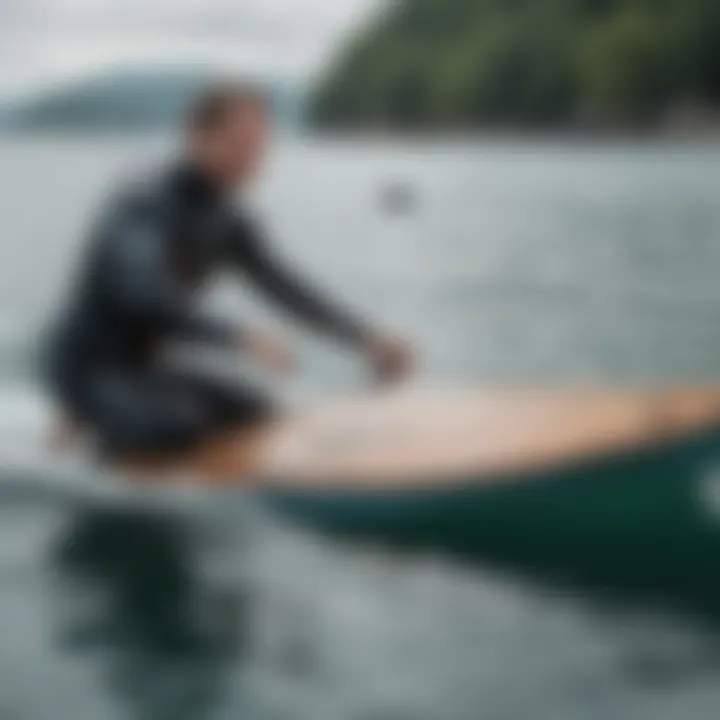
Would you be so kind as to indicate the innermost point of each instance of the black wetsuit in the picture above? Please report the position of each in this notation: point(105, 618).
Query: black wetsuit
point(154, 248)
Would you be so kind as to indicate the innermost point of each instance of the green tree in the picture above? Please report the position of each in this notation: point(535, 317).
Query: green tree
point(467, 63)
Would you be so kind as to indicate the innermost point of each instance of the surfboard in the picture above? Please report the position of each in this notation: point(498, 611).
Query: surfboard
point(416, 438)
point(619, 488)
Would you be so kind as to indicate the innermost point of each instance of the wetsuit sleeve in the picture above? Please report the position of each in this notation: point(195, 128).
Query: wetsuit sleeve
point(142, 287)
point(250, 253)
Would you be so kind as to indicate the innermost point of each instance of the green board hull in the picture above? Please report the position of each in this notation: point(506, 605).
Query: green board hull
point(647, 520)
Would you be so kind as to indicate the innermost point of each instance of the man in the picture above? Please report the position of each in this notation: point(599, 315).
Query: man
point(154, 248)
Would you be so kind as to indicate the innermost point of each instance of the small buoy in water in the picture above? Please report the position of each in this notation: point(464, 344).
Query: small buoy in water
point(398, 197)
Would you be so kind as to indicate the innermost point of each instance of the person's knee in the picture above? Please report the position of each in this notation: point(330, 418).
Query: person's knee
point(172, 427)
point(186, 423)
point(247, 406)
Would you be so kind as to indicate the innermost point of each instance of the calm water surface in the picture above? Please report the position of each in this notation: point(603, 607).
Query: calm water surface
point(517, 262)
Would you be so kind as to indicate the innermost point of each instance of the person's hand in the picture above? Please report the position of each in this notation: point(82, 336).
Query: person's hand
point(268, 351)
point(392, 359)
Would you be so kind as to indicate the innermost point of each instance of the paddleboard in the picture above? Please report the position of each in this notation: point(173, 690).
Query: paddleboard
point(414, 439)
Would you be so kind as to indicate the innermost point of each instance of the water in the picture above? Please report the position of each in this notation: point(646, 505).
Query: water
point(518, 262)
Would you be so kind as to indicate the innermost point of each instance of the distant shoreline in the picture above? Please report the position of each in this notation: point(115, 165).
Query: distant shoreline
point(514, 135)
point(445, 136)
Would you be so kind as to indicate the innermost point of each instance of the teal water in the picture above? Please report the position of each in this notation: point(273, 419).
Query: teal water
point(517, 263)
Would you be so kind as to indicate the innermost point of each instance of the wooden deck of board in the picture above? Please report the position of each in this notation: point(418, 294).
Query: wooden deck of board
point(415, 438)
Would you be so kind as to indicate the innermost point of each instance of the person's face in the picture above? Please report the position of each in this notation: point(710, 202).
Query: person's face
point(233, 151)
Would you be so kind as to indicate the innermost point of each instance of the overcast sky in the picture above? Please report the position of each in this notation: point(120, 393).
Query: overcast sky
point(42, 41)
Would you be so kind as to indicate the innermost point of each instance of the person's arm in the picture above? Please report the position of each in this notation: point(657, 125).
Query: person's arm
point(141, 285)
point(250, 253)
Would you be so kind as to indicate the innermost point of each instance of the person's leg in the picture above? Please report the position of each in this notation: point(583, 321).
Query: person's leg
point(136, 413)
point(227, 405)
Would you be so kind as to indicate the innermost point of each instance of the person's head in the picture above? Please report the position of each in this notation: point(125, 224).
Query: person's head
point(227, 132)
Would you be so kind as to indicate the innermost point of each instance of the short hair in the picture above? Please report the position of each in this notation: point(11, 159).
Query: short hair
point(214, 103)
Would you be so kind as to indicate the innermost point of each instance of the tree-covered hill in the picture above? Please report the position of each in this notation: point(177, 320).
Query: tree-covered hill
point(526, 63)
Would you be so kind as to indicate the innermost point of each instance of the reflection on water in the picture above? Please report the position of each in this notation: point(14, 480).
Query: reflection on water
point(339, 634)
point(162, 637)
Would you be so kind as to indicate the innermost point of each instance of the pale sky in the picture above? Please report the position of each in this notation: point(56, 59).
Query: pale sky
point(42, 41)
